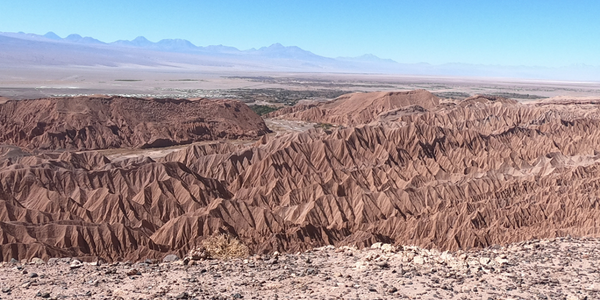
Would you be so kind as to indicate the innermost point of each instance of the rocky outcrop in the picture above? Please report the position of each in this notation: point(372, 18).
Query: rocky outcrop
point(84, 123)
point(357, 108)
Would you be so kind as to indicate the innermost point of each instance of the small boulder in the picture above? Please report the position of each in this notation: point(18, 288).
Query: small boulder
point(65, 260)
point(199, 253)
point(419, 260)
point(388, 248)
point(484, 261)
point(501, 260)
point(133, 272)
point(75, 264)
point(171, 258)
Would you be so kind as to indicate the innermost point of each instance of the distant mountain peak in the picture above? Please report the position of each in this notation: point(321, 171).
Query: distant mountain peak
point(53, 36)
point(140, 39)
point(76, 38)
point(73, 37)
point(278, 46)
point(178, 42)
point(368, 58)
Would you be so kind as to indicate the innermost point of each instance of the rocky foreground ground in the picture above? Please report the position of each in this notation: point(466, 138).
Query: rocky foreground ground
point(563, 268)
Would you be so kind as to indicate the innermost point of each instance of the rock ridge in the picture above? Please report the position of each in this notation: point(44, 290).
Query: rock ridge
point(89, 123)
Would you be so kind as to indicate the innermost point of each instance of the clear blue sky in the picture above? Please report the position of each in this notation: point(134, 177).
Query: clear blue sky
point(501, 32)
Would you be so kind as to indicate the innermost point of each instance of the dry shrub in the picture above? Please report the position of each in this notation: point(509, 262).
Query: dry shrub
point(225, 247)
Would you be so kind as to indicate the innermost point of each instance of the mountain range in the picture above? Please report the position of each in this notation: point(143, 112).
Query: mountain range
point(26, 49)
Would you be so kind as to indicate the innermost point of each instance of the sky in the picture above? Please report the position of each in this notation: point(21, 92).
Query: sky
point(504, 32)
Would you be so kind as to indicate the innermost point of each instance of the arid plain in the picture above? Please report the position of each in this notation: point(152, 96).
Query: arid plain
point(38, 82)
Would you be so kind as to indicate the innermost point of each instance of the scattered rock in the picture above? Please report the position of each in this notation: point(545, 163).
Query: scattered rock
point(43, 294)
point(560, 268)
point(75, 264)
point(133, 272)
point(419, 260)
point(484, 261)
point(171, 258)
point(388, 248)
point(198, 253)
point(96, 263)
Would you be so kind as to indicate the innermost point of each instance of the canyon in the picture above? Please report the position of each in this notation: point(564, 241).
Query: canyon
point(403, 168)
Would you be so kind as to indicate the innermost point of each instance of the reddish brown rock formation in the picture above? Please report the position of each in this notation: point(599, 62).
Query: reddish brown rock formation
point(487, 99)
point(454, 176)
point(357, 108)
point(117, 122)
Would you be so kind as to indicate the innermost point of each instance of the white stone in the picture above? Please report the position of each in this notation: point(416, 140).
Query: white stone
point(388, 248)
point(419, 260)
point(376, 246)
point(500, 260)
point(484, 261)
point(76, 264)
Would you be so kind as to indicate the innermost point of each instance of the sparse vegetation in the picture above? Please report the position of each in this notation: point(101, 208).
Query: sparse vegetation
point(324, 83)
point(263, 109)
point(324, 126)
point(224, 246)
point(462, 95)
point(452, 95)
point(287, 97)
point(518, 96)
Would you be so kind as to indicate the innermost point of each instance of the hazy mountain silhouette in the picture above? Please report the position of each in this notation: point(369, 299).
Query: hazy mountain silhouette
point(23, 49)
point(76, 38)
point(368, 58)
point(51, 35)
